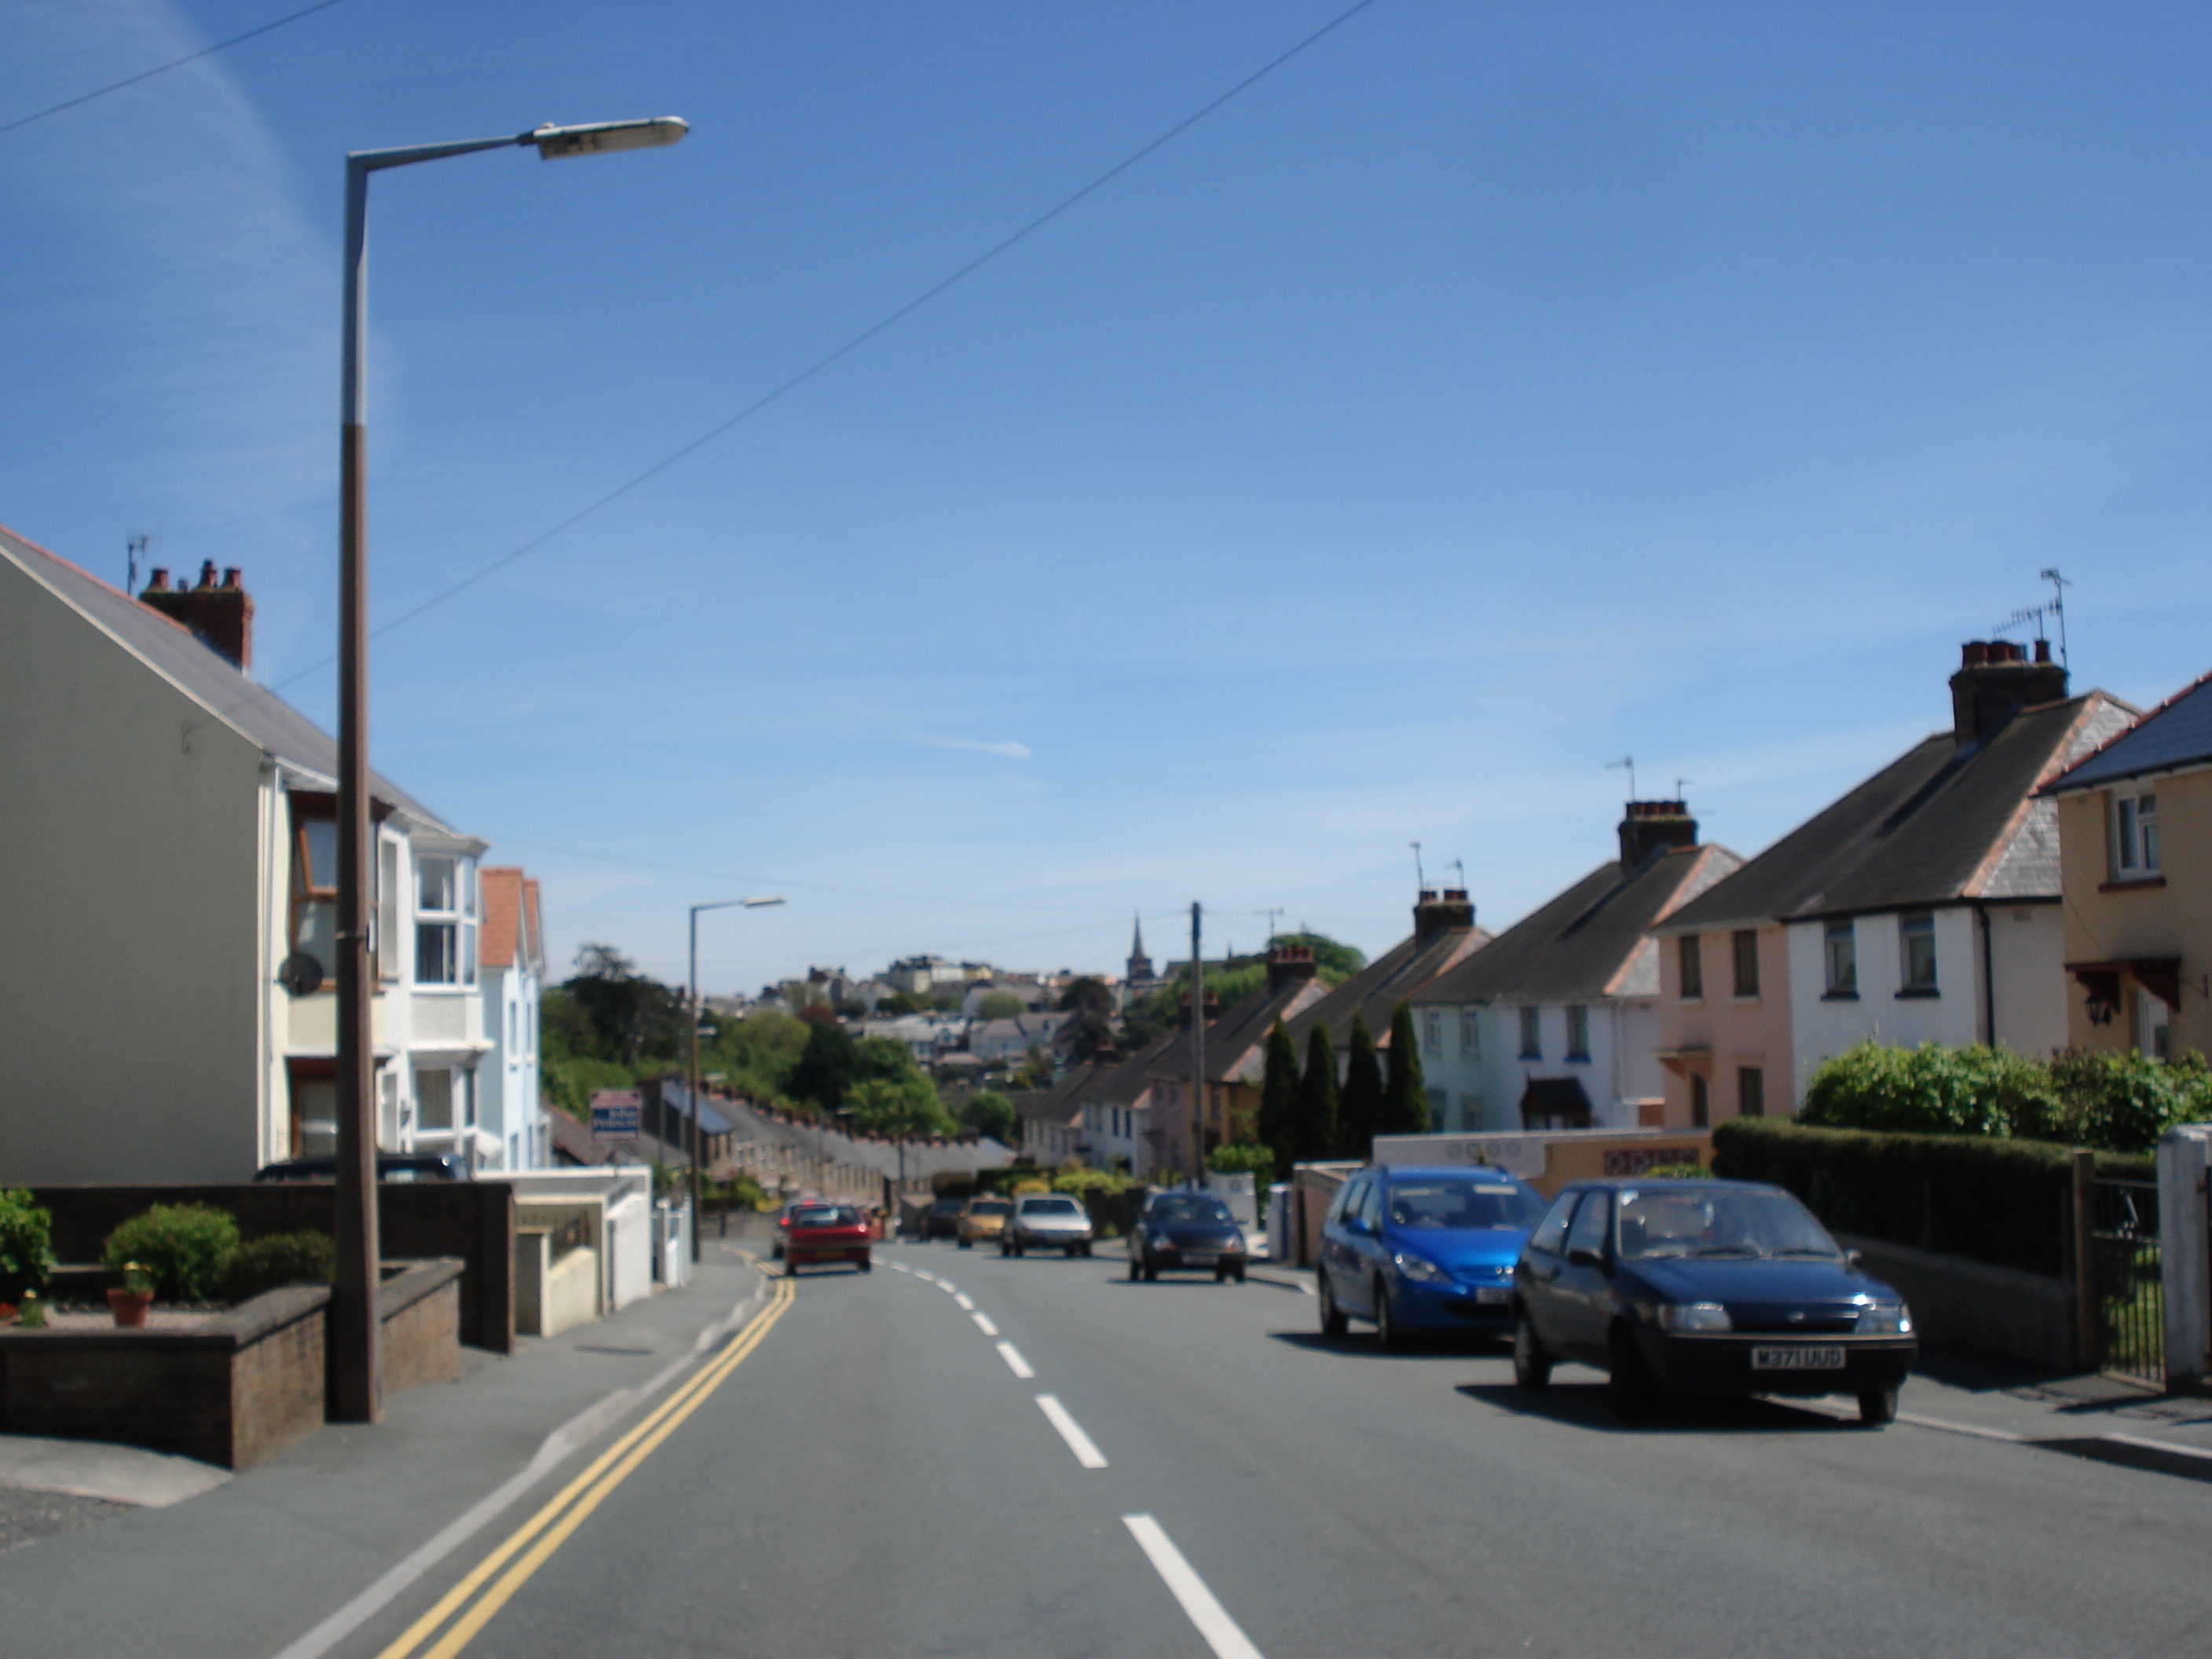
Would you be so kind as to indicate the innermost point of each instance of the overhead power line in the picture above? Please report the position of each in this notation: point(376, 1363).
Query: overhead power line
point(890, 321)
point(148, 75)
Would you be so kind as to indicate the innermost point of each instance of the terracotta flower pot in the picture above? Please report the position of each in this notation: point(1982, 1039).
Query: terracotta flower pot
point(130, 1306)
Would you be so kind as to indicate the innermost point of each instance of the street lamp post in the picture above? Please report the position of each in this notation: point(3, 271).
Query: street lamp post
point(358, 1395)
point(691, 1069)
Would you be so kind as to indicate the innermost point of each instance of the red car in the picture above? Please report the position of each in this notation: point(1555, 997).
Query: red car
point(827, 1232)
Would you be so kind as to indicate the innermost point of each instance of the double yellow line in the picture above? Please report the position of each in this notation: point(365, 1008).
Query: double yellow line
point(551, 1526)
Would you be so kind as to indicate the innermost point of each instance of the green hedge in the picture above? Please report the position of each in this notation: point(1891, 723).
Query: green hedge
point(2115, 1103)
point(2004, 1202)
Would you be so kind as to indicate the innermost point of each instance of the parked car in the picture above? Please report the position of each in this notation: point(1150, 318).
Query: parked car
point(981, 1218)
point(942, 1218)
point(1424, 1249)
point(1046, 1221)
point(1192, 1231)
point(389, 1166)
point(828, 1232)
point(1705, 1287)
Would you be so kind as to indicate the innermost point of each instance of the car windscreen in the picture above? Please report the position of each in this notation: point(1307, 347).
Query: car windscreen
point(1191, 1209)
point(826, 1215)
point(989, 1207)
point(1453, 1203)
point(1051, 1207)
point(1719, 1221)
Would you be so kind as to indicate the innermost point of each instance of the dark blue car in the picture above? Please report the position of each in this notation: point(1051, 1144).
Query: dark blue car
point(1705, 1287)
point(1424, 1249)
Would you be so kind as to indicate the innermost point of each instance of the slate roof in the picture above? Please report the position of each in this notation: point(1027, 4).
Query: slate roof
point(177, 655)
point(1592, 941)
point(2175, 734)
point(1375, 992)
point(1940, 825)
point(1236, 1041)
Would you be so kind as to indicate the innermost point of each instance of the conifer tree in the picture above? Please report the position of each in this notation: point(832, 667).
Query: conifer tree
point(1360, 1107)
point(1313, 1131)
point(1405, 1093)
point(1279, 1096)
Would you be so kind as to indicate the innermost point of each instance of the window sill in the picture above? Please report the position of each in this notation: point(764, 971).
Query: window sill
point(1839, 996)
point(1577, 1060)
point(453, 988)
point(1691, 1002)
point(1525, 1055)
point(1918, 994)
point(1742, 997)
point(2130, 884)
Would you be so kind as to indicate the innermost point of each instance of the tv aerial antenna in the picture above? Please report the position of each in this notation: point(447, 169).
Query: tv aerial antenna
point(135, 547)
point(1420, 881)
point(2054, 608)
point(1629, 762)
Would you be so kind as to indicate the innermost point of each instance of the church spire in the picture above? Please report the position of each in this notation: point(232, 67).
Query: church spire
point(1140, 965)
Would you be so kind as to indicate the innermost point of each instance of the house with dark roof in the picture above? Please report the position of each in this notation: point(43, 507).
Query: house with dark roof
point(167, 1006)
point(1922, 906)
point(2135, 838)
point(1555, 1023)
point(1235, 1061)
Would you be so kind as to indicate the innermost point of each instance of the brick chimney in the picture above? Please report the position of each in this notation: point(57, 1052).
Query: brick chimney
point(1995, 677)
point(1288, 963)
point(219, 613)
point(1652, 825)
point(1439, 911)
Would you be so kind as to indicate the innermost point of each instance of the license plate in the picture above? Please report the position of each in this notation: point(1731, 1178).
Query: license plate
point(1199, 1258)
point(1795, 1358)
point(1493, 1295)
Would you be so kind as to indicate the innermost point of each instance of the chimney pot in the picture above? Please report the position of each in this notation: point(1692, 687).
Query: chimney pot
point(1996, 679)
point(2043, 651)
point(157, 581)
point(1972, 654)
point(1652, 824)
point(207, 573)
point(230, 577)
point(221, 616)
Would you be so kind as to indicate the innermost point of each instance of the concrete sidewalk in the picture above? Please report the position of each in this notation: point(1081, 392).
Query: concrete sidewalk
point(254, 1564)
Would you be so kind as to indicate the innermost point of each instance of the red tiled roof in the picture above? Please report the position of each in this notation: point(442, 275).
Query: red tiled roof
point(504, 891)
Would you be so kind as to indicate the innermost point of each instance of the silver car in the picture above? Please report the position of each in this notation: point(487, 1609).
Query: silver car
point(1046, 1222)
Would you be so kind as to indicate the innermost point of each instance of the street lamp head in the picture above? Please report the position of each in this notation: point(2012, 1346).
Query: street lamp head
point(759, 903)
point(596, 137)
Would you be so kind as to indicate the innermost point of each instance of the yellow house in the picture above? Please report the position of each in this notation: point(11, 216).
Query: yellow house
point(2134, 828)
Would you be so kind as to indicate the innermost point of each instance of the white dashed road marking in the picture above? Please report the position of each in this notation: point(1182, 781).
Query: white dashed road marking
point(1086, 1451)
point(1211, 1619)
point(965, 1302)
point(983, 1324)
point(1015, 1362)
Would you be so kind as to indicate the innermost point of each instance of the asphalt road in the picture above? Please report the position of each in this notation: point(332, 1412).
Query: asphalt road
point(875, 1478)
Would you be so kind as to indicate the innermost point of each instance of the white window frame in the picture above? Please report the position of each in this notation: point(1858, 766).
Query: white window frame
point(1578, 1031)
point(2132, 834)
point(1532, 1034)
point(458, 922)
point(1912, 926)
point(1432, 1031)
point(1845, 934)
point(1470, 1033)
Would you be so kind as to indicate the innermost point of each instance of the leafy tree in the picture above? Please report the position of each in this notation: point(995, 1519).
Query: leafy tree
point(897, 1106)
point(1088, 1036)
point(1088, 994)
point(1405, 1091)
point(1359, 1108)
point(987, 1112)
point(827, 1067)
point(902, 1002)
point(1000, 1005)
point(1313, 1119)
point(626, 1016)
point(1279, 1090)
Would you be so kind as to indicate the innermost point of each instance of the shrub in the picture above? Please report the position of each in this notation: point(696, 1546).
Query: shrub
point(27, 1244)
point(2113, 1102)
point(1691, 1171)
point(2002, 1202)
point(1082, 1178)
point(271, 1263)
point(182, 1247)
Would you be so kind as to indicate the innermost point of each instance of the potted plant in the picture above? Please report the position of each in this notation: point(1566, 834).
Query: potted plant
point(32, 1315)
point(130, 1300)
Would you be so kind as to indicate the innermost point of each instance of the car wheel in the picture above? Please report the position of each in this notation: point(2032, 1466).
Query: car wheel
point(966, 1243)
point(866, 1265)
point(1387, 1333)
point(1332, 1316)
point(1238, 1275)
point(1878, 1406)
point(1083, 1248)
point(1635, 1392)
point(1071, 1252)
point(1151, 1274)
point(1531, 1366)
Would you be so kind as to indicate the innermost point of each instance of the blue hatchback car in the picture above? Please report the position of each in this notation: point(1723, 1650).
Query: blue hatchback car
point(1424, 1249)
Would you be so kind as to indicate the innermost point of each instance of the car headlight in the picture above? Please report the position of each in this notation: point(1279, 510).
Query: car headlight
point(1420, 1269)
point(1694, 1317)
point(1161, 1242)
point(1885, 1319)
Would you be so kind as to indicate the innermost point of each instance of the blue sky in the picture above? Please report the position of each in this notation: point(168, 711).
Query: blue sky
point(1488, 393)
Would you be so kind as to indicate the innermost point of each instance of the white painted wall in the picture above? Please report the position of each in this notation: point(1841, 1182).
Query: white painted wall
point(2027, 975)
point(1822, 1027)
point(1485, 1081)
point(131, 1044)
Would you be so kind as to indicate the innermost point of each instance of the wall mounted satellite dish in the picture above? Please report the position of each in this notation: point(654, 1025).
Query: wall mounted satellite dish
point(301, 975)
